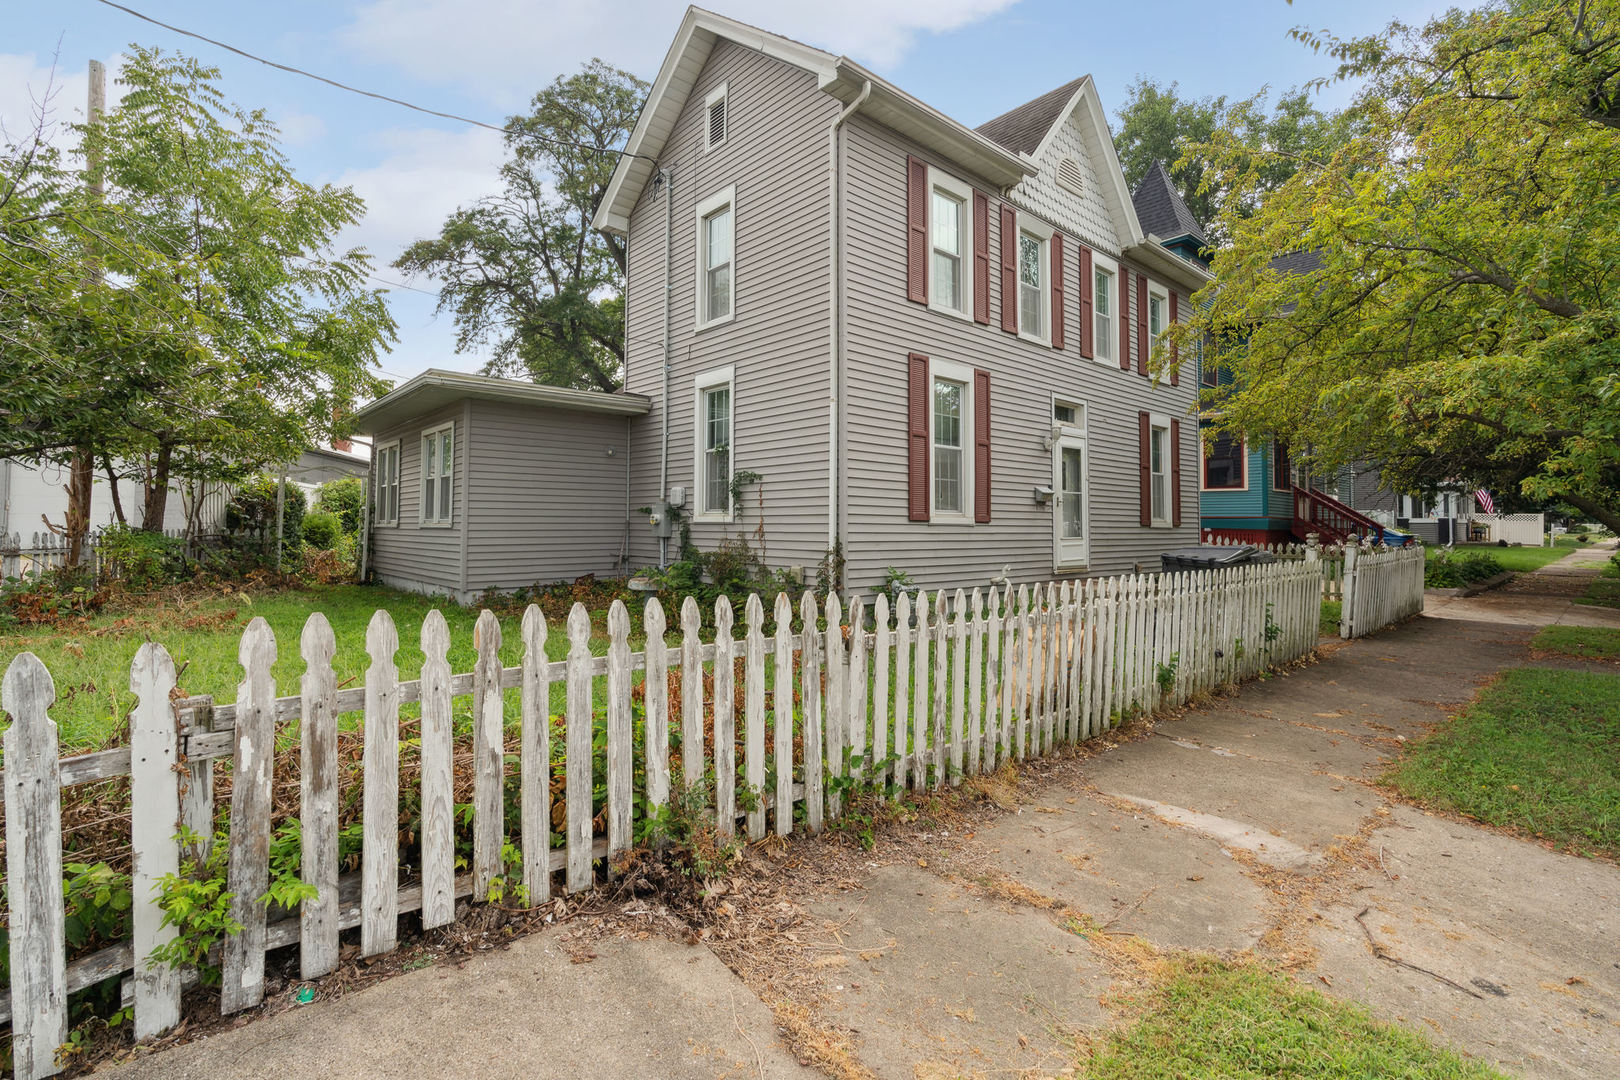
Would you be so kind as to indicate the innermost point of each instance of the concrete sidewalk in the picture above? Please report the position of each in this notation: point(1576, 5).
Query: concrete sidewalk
point(1544, 597)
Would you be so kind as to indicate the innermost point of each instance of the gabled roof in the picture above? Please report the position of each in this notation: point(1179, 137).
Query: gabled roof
point(1298, 262)
point(1022, 130)
point(837, 76)
point(1161, 209)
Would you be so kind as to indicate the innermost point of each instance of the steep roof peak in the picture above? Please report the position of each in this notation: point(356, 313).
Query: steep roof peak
point(1161, 209)
point(1022, 129)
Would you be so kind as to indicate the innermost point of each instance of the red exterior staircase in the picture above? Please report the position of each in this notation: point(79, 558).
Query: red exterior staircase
point(1330, 519)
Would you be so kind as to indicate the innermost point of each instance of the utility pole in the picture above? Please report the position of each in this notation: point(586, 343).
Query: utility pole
point(81, 474)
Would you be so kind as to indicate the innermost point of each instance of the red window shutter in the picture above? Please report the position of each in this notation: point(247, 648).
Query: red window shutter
point(916, 230)
point(1175, 351)
point(917, 501)
point(1009, 270)
point(1141, 324)
point(1175, 471)
point(1124, 319)
point(1088, 320)
point(1057, 290)
point(981, 445)
point(981, 258)
point(1143, 423)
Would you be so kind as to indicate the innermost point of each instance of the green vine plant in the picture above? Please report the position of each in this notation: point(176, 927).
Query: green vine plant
point(1273, 631)
point(1167, 673)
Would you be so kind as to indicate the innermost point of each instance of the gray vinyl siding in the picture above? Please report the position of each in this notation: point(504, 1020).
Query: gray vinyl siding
point(407, 554)
point(775, 154)
point(882, 327)
point(546, 501)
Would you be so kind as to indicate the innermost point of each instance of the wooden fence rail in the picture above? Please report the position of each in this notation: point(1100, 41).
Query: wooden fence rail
point(772, 722)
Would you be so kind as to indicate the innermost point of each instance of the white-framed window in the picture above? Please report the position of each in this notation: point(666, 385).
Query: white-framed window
point(1070, 489)
point(950, 439)
point(717, 258)
point(714, 443)
point(1158, 314)
point(1159, 466)
point(1034, 280)
point(1104, 306)
point(950, 241)
point(438, 475)
point(386, 502)
point(716, 116)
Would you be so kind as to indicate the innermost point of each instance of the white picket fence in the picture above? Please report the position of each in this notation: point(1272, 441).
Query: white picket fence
point(47, 551)
point(939, 689)
point(1330, 555)
point(1381, 586)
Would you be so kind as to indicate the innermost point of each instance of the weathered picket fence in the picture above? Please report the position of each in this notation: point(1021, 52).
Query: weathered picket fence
point(47, 551)
point(1381, 585)
point(1330, 555)
point(939, 688)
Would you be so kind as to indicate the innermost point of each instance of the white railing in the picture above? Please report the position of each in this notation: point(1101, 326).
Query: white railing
point(1381, 586)
point(938, 689)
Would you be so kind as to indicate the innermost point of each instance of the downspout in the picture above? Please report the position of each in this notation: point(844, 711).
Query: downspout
point(5, 498)
point(668, 180)
point(835, 306)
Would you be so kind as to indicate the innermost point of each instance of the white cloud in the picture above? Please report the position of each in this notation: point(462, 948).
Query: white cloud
point(505, 50)
point(29, 86)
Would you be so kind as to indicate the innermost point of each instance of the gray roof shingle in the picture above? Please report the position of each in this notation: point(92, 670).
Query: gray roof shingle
point(1298, 262)
point(1022, 129)
point(1161, 209)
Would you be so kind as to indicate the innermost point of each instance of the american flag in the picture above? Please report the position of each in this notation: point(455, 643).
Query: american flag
point(1486, 503)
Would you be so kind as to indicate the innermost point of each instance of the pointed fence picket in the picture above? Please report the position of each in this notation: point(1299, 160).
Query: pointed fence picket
point(914, 690)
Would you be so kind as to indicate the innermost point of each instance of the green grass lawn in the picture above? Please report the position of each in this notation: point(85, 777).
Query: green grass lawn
point(1605, 591)
point(1518, 559)
point(1203, 1017)
point(1332, 610)
point(1535, 751)
point(1586, 642)
point(90, 660)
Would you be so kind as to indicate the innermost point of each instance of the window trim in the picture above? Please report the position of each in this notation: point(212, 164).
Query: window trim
point(1029, 224)
point(1161, 422)
point(951, 371)
point(1162, 294)
point(963, 193)
point(702, 383)
point(1110, 341)
point(423, 519)
point(380, 450)
point(719, 93)
point(725, 197)
point(1203, 465)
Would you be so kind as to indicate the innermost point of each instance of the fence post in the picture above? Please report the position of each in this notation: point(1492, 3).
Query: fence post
point(534, 762)
point(34, 869)
point(578, 753)
point(379, 867)
point(437, 755)
point(154, 809)
point(248, 874)
point(810, 706)
point(620, 765)
point(691, 694)
point(753, 714)
point(725, 719)
point(318, 809)
point(1351, 590)
point(783, 699)
point(655, 698)
point(489, 754)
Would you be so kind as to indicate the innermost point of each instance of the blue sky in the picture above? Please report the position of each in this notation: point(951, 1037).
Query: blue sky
point(485, 58)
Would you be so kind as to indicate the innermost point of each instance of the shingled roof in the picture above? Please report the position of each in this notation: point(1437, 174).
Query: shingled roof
point(1298, 262)
point(1161, 209)
point(1022, 129)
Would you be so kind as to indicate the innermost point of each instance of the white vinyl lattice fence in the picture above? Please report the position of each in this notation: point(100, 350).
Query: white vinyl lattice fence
point(776, 717)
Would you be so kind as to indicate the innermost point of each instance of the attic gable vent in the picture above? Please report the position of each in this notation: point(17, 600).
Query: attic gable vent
point(717, 119)
point(1070, 178)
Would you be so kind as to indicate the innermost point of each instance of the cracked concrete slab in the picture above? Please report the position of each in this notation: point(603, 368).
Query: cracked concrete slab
point(937, 981)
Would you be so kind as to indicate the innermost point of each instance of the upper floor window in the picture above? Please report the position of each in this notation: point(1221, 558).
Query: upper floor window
point(715, 452)
point(1223, 466)
point(438, 472)
point(1034, 278)
point(1104, 305)
point(716, 228)
point(1208, 369)
point(716, 117)
point(1158, 315)
point(388, 484)
point(950, 242)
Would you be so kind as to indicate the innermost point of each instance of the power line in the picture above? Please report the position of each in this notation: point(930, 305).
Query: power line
point(373, 94)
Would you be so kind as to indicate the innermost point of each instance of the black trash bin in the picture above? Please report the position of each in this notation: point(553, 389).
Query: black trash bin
point(1212, 557)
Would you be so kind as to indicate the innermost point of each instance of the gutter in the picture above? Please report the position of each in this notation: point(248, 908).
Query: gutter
point(835, 307)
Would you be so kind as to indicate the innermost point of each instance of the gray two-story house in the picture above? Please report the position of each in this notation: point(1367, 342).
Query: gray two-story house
point(852, 321)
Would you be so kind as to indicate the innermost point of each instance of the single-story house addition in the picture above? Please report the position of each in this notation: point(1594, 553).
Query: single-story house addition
point(483, 483)
point(935, 345)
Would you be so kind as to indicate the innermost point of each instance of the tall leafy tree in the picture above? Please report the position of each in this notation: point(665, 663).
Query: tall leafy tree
point(521, 270)
point(1463, 323)
point(196, 316)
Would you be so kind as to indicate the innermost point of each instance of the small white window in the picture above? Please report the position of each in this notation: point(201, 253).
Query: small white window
point(950, 434)
point(1159, 473)
point(1034, 243)
point(950, 240)
point(716, 248)
point(716, 117)
point(714, 444)
point(438, 475)
point(1158, 315)
point(387, 494)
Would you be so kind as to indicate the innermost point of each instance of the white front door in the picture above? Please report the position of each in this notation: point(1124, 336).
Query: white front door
point(1071, 535)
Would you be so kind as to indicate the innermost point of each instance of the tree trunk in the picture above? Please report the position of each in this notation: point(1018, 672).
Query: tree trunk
point(81, 475)
point(1606, 517)
point(157, 489)
point(112, 487)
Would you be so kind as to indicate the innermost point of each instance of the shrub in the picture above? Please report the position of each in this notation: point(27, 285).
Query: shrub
point(65, 592)
point(343, 498)
point(141, 559)
point(1456, 569)
point(252, 510)
point(322, 529)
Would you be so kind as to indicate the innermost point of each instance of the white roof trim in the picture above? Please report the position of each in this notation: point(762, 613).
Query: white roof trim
point(434, 389)
point(1100, 146)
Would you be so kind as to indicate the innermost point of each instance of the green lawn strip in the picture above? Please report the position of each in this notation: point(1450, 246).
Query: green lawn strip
point(1332, 610)
point(1605, 590)
point(1207, 1018)
point(1537, 751)
point(1586, 642)
point(1518, 559)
